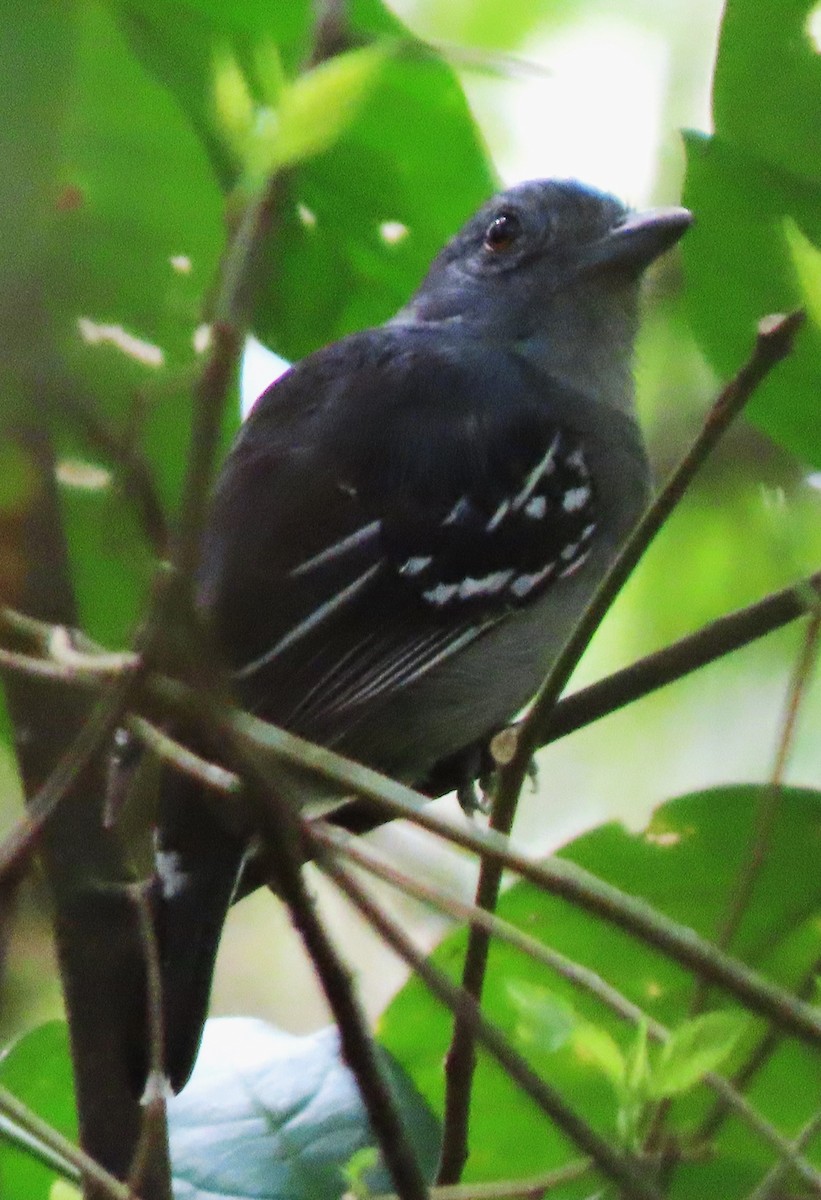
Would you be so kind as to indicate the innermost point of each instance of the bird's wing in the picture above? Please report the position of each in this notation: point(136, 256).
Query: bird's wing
point(389, 499)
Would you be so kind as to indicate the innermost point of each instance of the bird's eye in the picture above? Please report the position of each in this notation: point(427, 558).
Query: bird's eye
point(502, 232)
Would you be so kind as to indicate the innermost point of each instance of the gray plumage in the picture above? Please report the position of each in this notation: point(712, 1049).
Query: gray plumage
point(413, 518)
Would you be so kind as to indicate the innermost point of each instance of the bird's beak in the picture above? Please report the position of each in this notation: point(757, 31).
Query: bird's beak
point(640, 239)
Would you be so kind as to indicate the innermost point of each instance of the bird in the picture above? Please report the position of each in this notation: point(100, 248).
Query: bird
point(411, 521)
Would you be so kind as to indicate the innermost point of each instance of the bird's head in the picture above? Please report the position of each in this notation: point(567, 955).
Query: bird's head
point(553, 266)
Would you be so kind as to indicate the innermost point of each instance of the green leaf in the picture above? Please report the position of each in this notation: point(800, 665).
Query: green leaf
point(319, 106)
point(279, 1117)
point(363, 219)
point(595, 1047)
point(760, 169)
point(546, 1021)
point(739, 268)
point(768, 41)
point(696, 1047)
point(806, 259)
point(686, 864)
point(37, 1069)
point(637, 1064)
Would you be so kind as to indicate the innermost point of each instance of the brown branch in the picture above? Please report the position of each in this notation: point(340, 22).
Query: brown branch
point(97, 942)
point(64, 1150)
point(136, 479)
point(576, 974)
point(151, 1143)
point(770, 806)
point(622, 1169)
point(680, 659)
point(774, 342)
point(533, 1188)
point(279, 826)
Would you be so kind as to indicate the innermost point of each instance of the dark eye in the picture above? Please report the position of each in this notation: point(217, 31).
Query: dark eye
point(502, 232)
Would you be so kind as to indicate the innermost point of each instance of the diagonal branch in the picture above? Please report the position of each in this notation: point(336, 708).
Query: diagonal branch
point(774, 342)
point(622, 1169)
point(577, 974)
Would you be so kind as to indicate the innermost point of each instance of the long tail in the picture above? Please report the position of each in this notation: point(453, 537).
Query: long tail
point(198, 865)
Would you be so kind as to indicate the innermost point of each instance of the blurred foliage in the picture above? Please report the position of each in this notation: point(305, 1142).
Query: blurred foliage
point(133, 133)
point(686, 864)
point(759, 170)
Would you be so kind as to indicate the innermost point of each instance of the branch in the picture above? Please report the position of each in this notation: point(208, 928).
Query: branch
point(767, 1189)
point(232, 310)
point(623, 1170)
point(770, 805)
point(97, 942)
point(137, 479)
point(533, 1188)
point(774, 342)
point(63, 1150)
point(576, 974)
point(268, 745)
point(680, 659)
point(278, 824)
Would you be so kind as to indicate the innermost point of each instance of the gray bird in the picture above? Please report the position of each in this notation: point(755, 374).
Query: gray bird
point(411, 521)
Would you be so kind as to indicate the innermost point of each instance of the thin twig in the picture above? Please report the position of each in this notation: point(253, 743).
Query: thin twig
point(64, 1149)
point(774, 342)
point(558, 876)
point(581, 708)
point(278, 824)
point(232, 309)
point(510, 1189)
point(136, 476)
point(742, 890)
point(773, 1179)
point(681, 658)
point(769, 807)
point(576, 974)
point(621, 1169)
point(181, 758)
point(21, 841)
point(755, 1062)
point(153, 1125)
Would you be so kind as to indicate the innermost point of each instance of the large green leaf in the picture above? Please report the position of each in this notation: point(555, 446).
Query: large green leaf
point(759, 169)
point(686, 864)
point(37, 1069)
point(277, 1117)
point(136, 246)
point(266, 1114)
point(364, 218)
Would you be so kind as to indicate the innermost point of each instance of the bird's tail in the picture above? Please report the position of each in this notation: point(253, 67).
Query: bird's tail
point(197, 867)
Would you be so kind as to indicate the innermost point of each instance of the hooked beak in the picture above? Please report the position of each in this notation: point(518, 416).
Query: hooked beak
point(640, 239)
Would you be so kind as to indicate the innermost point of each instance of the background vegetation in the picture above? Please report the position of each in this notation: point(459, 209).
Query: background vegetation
point(139, 140)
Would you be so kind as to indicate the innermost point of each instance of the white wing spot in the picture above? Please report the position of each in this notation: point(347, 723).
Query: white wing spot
point(459, 511)
point(543, 467)
point(358, 538)
point(498, 516)
point(576, 460)
point(575, 498)
point(574, 566)
point(488, 585)
point(415, 566)
point(441, 594)
point(173, 880)
point(523, 584)
point(536, 507)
